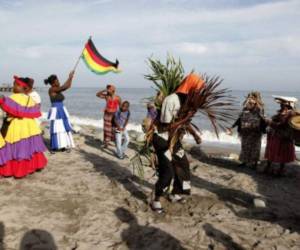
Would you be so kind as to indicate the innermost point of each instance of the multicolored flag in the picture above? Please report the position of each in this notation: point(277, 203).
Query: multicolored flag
point(96, 62)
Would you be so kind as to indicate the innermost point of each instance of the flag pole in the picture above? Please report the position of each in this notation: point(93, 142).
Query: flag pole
point(78, 60)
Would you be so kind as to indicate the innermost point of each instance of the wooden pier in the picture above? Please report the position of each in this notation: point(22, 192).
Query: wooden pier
point(6, 88)
point(9, 88)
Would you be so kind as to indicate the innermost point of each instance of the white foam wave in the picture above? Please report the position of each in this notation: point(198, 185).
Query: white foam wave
point(97, 123)
point(206, 135)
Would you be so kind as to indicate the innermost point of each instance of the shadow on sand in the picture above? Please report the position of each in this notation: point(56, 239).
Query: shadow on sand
point(2, 234)
point(33, 239)
point(280, 194)
point(220, 237)
point(118, 173)
point(38, 239)
point(139, 237)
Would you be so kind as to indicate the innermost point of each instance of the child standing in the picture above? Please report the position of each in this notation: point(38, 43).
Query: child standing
point(121, 118)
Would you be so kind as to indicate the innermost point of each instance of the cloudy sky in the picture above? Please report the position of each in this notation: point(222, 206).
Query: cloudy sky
point(252, 44)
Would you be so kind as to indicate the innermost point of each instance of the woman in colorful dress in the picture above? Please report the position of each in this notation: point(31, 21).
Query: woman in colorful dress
point(280, 141)
point(251, 125)
point(61, 138)
point(112, 105)
point(24, 147)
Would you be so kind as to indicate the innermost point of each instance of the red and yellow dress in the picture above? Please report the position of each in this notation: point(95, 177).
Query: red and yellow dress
point(21, 145)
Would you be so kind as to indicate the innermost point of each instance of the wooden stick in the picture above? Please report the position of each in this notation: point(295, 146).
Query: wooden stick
point(78, 60)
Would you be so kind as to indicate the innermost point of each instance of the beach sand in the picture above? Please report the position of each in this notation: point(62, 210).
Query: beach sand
point(88, 199)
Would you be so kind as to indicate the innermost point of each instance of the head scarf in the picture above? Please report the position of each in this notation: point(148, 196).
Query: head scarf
point(111, 87)
point(23, 82)
point(191, 82)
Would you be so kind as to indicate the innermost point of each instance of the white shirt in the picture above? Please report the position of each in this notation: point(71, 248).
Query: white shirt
point(170, 108)
point(37, 99)
point(35, 96)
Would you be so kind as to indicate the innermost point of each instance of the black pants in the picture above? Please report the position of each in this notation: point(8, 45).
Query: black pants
point(177, 168)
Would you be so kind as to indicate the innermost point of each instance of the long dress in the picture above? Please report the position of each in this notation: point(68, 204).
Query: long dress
point(24, 147)
point(280, 142)
point(112, 105)
point(60, 126)
point(5, 153)
point(250, 127)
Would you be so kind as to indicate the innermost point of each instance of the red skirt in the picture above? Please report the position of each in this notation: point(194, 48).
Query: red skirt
point(279, 150)
point(19, 169)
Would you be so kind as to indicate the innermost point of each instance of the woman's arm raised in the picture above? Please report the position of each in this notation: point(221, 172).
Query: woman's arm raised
point(102, 94)
point(66, 85)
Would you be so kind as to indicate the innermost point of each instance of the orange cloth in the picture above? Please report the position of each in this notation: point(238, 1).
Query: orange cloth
point(190, 82)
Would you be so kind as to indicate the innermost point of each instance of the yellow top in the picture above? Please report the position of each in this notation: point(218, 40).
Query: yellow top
point(2, 142)
point(21, 128)
point(23, 100)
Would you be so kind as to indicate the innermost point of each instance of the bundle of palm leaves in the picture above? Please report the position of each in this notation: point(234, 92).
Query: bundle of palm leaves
point(166, 77)
point(215, 103)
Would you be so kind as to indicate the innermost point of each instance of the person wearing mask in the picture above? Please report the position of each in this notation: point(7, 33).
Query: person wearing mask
point(173, 165)
point(251, 126)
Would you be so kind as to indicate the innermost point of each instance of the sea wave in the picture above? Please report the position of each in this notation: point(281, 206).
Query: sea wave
point(207, 136)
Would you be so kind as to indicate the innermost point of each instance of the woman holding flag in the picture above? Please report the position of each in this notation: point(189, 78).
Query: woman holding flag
point(60, 127)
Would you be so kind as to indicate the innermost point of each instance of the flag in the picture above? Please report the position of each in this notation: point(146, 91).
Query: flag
point(96, 62)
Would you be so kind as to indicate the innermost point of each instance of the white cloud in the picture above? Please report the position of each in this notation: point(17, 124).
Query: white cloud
point(193, 48)
point(48, 36)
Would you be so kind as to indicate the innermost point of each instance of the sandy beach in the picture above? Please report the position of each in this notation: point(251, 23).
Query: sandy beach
point(88, 199)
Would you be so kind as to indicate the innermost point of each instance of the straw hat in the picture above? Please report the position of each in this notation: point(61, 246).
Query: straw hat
point(295, 122)
point(286, 99)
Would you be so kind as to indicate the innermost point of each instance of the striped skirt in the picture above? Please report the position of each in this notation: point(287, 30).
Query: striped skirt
point(108, 127)
point(60, 127)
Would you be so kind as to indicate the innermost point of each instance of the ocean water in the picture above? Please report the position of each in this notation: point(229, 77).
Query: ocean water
point(87, 109)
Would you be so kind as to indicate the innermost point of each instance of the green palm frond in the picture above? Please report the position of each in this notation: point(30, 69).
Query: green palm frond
point(166, 77)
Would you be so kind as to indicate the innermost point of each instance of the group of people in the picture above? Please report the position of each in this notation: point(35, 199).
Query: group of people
point(116, 117)
point(252, 124)
point(21, 143)
point(22, 147)
point(172, 164)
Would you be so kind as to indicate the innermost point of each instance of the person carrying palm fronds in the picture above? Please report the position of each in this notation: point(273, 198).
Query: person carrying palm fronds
point(251, 125)
point(177, 100)
point(172, 161)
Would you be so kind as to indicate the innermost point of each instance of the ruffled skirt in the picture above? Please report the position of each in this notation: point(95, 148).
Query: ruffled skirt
point(21, 157)
point(60, 127)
